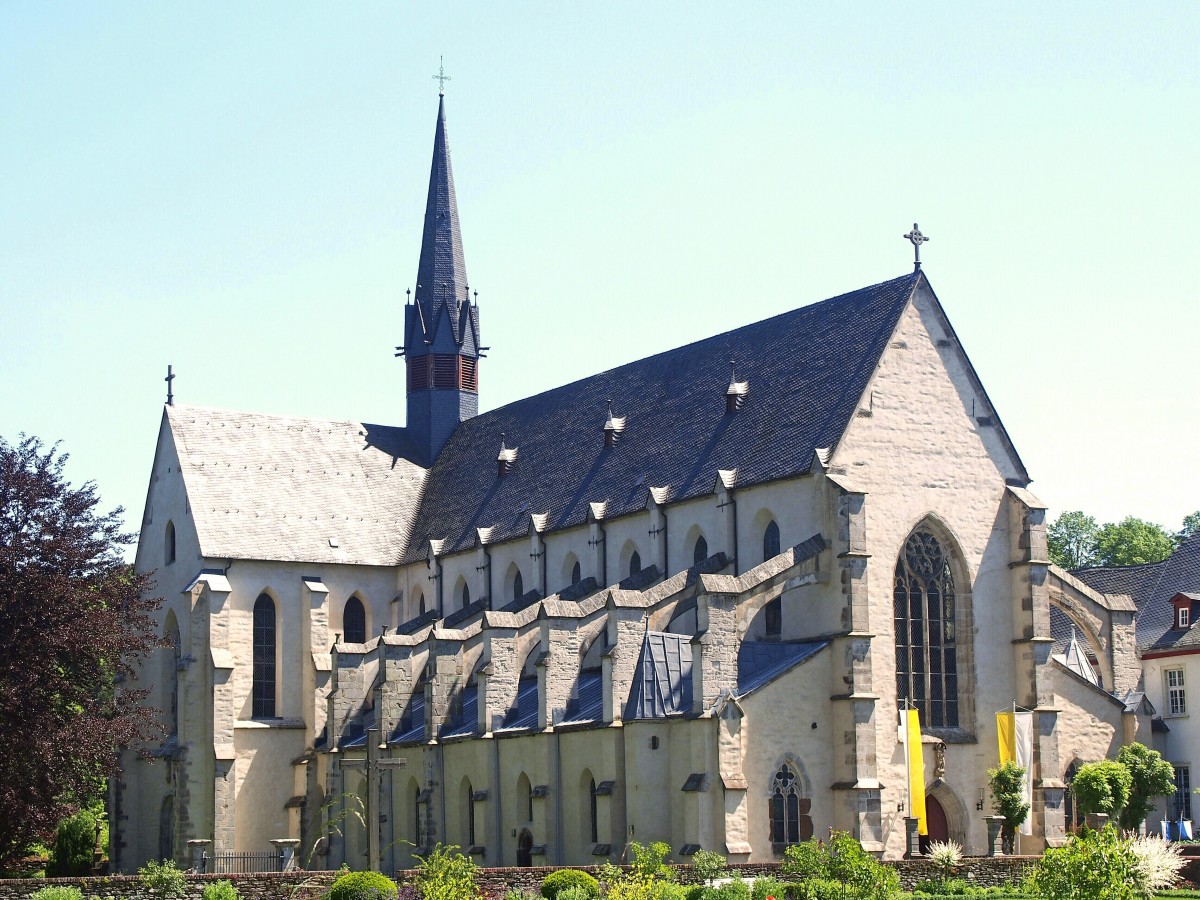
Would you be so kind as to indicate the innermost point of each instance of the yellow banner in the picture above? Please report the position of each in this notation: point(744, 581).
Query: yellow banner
point(1006, 728)
point(916, 771)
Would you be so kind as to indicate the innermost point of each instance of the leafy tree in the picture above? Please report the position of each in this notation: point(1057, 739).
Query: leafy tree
point(1102, 787)
point(1072, 540)
point(708, 865)
point(1191, 525)
point(1132, 542)
point(1151, 775)
point(74, 846)
point(1008, 799)
point(75, 621)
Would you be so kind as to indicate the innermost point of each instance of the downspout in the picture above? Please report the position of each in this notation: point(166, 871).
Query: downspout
point(545, 583)
point(558, 804)
point(736, 560)
point(603, 554)
point(498, 815)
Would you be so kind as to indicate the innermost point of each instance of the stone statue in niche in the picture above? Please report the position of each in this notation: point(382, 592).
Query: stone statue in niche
point(939, 761)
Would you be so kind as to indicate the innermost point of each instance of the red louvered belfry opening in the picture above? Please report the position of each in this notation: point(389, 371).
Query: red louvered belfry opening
point(443, 372)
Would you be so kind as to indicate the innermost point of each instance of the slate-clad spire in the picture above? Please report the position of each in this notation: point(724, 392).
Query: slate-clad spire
point(441, 326)
point(442, 271)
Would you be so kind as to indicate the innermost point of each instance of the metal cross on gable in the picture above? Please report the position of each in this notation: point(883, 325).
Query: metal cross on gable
point(917, 239)
point(441, 77)
point(170, 386)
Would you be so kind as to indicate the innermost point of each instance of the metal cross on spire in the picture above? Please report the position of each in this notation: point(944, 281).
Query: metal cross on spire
point(441, 77)
point(170, 387)
point(917, 239)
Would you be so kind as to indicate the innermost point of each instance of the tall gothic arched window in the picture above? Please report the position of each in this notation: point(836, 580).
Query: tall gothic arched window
point(790, 819)
point(635, 563)
point(701, 552)
point(263, 691)
point(518, 587)
point(593, 818)
point(576, 573)
point(771, 541)
point(926, 643)
point(354, 622)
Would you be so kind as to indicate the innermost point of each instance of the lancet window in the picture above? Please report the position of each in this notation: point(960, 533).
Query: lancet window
point(791, 821)
point(926, 641)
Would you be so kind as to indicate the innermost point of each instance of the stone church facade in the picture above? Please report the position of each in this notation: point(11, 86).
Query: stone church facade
point(680, 600)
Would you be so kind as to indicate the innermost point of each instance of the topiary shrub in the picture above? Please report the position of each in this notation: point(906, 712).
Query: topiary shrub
point(74, 847)
point(558, 881)
point(57, 893)
point(362, 886)
point(220, 890)
point(445, 874)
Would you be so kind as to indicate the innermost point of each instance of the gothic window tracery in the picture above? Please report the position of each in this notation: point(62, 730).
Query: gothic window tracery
point(354, 622)
point(791, 821)
point(926, 641)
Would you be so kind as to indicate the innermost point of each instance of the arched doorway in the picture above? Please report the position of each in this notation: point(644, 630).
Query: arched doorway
point(935, 823)
point(525, 849)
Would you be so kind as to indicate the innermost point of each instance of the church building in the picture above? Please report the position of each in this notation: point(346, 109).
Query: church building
point(681, 600)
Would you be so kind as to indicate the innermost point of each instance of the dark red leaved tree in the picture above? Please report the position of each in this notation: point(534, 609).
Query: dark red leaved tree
point(74, 625)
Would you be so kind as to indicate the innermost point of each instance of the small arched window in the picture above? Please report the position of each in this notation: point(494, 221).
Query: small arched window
point(262, 699)
point(169, 543)
point(700, 553)
point(576, 573)
point(771, 541)
point(420, 604)
point(635, 563)
point(354, 622)
point(790, 819)
point(470, 804)
point(773, 617)
point(926, 643)
point(465, 600)
point(518, 587)
point(593, 818)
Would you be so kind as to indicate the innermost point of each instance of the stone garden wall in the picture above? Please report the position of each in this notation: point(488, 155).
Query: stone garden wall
point(495, 882)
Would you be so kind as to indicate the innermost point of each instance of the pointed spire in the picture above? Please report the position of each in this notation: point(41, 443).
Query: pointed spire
point(442, 270)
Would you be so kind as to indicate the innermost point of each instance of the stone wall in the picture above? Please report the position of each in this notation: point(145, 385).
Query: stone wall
point(494, 882)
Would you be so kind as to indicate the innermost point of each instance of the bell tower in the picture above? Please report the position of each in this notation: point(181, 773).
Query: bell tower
point(441, 323)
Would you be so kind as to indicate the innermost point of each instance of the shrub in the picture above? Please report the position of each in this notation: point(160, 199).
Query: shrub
point(362, 886)
point(518, 894)
point(1095, 864)
point(816, 889)
point(946, 856)
point(162, 879)
point(858, 870)
point(57, 893)
point(74, 847)
point(695, 892)
point(445, 874)
point(650, 861)
point(220, 890)
point(807, 859)
point(768, 887)
point(734, 889)
point(708, 865)
point(1158, 863)
point(563, 879)
point(577, 892)
point(1007, 784)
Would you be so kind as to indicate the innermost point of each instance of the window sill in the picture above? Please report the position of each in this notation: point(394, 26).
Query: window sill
point(951, 735)
point(276, 722)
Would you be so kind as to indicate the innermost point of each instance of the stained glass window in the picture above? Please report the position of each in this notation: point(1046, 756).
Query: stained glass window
point(926, 646)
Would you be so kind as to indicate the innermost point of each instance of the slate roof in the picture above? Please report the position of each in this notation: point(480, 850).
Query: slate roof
point(806, 371)
point(466, 722)
point(1152, 586)
point(761, 662)
point(280, 488)
point(411, 726)
point(588, 703)
point(524, 714)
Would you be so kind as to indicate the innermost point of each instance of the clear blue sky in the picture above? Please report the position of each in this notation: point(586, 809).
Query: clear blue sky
point(237, 189)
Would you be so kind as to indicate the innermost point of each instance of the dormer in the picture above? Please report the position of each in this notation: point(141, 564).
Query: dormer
point(614, 427)
point(737, 392)
point(1184, 610)
point(506, 461)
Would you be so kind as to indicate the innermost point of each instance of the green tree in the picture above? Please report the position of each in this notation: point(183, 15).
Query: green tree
point(1191, 525)
point(1151, 776)
point(1095, 865)
point(1072, 540)
point(75, 618)
point(1102, 787)
point(1008, 799)
point(1132, 542)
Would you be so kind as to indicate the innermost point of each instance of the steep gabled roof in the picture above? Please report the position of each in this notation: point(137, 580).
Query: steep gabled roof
point(302, 490)
point(1152, 586)
point(806, 371)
